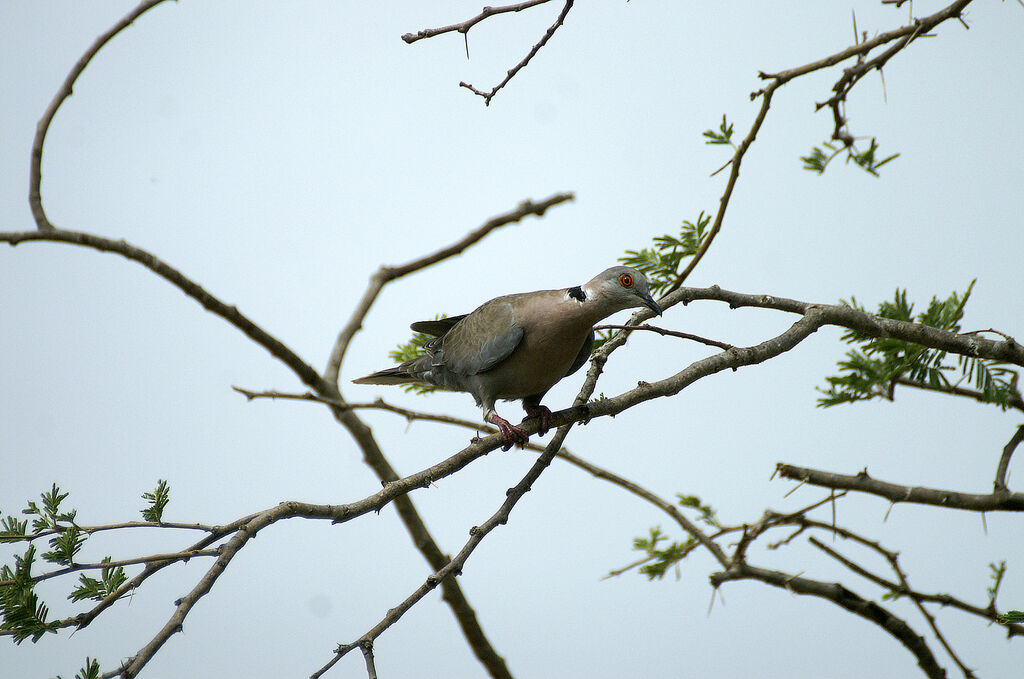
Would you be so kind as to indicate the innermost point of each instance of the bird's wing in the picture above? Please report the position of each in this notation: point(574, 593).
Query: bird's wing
point(437, 327)
point(482, 339)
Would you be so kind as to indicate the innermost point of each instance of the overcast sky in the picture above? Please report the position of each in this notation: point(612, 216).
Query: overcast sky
point(278, 153)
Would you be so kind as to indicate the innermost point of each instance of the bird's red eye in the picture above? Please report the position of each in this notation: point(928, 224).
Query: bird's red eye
point(625, 280)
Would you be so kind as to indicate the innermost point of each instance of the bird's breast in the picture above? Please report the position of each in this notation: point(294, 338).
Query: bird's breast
point(542, 358)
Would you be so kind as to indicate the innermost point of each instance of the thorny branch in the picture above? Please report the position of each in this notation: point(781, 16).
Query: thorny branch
point(862, 483)
point(487, 96)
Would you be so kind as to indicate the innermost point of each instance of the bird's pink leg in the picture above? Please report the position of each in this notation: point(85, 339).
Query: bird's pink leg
point(511, 433)
point(544, 413)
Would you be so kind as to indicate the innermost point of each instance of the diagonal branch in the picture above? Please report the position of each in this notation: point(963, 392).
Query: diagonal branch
point(386, 274)
point(525, 60)
point(453, 568)
point(35, 199)
point(229, 313)
point(844, 598)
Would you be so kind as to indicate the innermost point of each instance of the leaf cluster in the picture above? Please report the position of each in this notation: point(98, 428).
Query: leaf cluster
point(413, 349)
point(22, 613)
point(867, 160)
point(872, 370)
point(661, 559)
point(664, 262)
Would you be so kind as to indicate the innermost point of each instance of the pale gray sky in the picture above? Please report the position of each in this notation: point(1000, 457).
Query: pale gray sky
point(278, 153)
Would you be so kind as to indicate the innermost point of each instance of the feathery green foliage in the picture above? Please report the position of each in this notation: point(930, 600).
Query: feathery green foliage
point(111, 577)
point(722, 137)
point(91, 670)
point(157, 499)
point(414, 349)
point(23, 613)
point(663, 558)
point(663, 263)
point(872, 370)
point(818, 159)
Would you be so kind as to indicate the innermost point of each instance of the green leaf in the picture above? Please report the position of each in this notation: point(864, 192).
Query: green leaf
point(157, 500)
point(722, 137)
point(663, 263)
point(871, 370)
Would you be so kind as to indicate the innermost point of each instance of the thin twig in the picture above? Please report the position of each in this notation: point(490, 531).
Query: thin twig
point(525, 60)
point(155, 558)
point(463, 27)
point(668, 333)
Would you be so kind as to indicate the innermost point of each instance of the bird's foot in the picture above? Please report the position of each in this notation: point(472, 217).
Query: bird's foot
point(511, 434)
point(544, 413)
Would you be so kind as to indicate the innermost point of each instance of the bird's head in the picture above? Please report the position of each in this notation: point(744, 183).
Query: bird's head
point(620, 287)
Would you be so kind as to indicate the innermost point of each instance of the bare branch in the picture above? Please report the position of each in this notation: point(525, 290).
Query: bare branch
point(668, 333)
point(1004, 459)
point(844, 598)
point(231, 314)
point(1015, 400)
point(386, 274)
point(66, 89)
point(862, 483)
point(464, 26)
point(454, 567)
point(869, 324)
point(525, 60)
point(154, 558)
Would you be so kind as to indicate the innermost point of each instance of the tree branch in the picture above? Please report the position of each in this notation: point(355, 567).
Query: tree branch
point(844, 598)
point(1004, 459)
point(231, 314)
point(464, 26)
point(862, 483)
point(386, 274)
point(35, 199)
point(525, 60)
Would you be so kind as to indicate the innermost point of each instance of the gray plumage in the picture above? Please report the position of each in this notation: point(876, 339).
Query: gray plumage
point(519, 346)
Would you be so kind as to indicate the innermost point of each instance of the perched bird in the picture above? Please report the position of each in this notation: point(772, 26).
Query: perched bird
point(519, 346)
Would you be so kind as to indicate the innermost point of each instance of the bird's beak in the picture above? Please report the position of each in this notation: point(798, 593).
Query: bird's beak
point(651, 304)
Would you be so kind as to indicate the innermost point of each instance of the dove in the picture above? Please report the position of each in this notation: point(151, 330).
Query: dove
point(516, 347)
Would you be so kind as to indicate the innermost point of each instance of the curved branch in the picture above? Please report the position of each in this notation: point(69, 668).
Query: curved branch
point(386, 274)
point(844, 598)
point(35, 199)
point(862, 483)
point(229, 313)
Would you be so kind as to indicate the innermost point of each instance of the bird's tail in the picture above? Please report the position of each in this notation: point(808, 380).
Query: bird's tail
point(397, 375)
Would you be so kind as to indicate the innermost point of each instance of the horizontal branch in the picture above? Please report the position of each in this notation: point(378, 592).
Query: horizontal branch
point(875, 326)
point(668, 333)
point(154, 558)
point(464, 26)
point(862, 483)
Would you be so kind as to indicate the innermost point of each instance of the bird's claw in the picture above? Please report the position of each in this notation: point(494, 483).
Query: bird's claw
point(544, 413)
point(510, 433)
